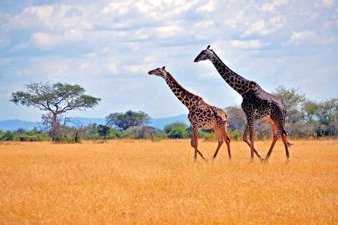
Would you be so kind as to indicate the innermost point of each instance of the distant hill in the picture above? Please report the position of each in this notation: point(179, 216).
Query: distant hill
point(15, 124)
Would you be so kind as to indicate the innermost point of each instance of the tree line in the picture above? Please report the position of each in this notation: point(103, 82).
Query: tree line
point(305, 118)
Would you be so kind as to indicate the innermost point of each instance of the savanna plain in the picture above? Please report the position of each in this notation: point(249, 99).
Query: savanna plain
point(144, 182)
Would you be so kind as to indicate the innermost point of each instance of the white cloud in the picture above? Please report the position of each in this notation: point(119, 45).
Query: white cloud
point(169, 31)
point(138, 68)
point(73, 35)
point(328, 3)
point(56, 18)
point(46, 41)
point(89, 69)
point(265, 27)
point(210, 6)
point(250, 44)
point(301, 37)
point(119, 8)
point(163, 10)
point(257, 27)
point(206, 24)
point(272, 6)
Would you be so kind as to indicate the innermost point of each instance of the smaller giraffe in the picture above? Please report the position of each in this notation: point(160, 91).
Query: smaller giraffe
point(201, 114)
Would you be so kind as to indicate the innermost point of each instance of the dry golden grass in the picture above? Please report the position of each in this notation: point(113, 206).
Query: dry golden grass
point(140, 182)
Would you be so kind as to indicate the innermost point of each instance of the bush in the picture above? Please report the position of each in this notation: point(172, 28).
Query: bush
point(176, 130)
point(29, 138)
point(210, 136)
point(235, 135)
point(159, 136)
point(141, 132)
point(115, 134)
point(8, 136)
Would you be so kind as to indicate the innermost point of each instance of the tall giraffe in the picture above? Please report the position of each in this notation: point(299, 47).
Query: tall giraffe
point(256, 104)
point(201, 114)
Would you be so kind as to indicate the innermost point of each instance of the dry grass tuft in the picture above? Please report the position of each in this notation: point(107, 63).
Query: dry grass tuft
point(140, 182)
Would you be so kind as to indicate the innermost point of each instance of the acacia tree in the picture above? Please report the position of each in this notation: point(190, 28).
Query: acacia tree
point(56, 99)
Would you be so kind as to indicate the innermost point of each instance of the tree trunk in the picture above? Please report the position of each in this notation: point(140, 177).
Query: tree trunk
point(55, 128)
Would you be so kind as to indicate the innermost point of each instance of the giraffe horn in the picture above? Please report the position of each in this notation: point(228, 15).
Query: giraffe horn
point(208, 47)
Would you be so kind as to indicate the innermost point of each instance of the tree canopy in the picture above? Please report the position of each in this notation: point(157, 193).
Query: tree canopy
point(128, 119)
point(56, 98)
point(292, 101)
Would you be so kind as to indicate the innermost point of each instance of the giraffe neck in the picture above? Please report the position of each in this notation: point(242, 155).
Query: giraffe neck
point(237, 82)
point(186, 97)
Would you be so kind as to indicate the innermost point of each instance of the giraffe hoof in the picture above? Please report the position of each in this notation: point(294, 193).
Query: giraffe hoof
point(264, 160)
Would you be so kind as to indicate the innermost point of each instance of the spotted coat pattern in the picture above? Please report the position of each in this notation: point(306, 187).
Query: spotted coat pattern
point(256, 104)
point(201, 114)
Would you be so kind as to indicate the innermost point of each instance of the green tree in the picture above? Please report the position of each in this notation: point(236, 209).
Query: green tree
point(56, 99)
point(292, 101)
point(128, 119)
point(328, 111)
point(176, 130)
point(103, 131)
point(327, 114)
point(310, 110)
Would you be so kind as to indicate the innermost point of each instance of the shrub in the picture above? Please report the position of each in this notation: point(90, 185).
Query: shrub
point(210, 136)
point(115, 134)
point(8, 136)
point(235, 135)
point(176, 130)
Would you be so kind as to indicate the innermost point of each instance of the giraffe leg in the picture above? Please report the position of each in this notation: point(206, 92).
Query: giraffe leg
point(226, 138)
point(200, 153)
point(227, 141)
point(194, 144)
point(274, 139)
point(252, 140)
point(286, 146)
point(246, 140)
point(220, 141)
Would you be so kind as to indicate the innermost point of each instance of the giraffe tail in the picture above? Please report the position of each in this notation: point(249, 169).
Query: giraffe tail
point(285, 134)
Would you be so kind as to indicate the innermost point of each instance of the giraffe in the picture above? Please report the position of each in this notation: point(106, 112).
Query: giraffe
point(201, 114)
point(256, 104)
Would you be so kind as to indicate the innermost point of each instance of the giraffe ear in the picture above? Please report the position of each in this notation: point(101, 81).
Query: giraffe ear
point(163, 68)
point(208, 47)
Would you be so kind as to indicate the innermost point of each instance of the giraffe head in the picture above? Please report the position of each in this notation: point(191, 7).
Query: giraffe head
point(205, 54)
point(161, 72)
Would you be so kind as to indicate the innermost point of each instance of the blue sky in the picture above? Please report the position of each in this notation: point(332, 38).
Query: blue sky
point(109, 46)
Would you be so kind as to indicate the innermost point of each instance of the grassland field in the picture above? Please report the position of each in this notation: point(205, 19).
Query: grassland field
point(144, 182)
